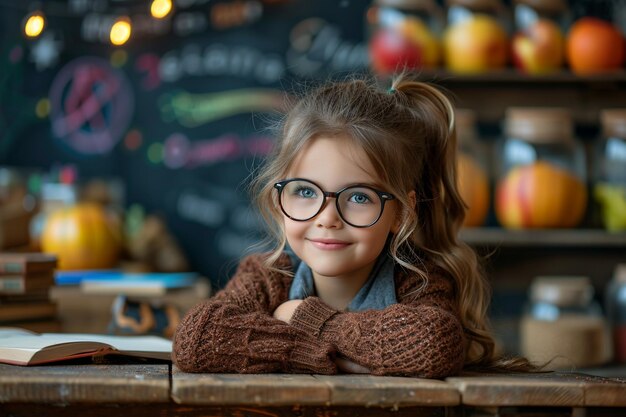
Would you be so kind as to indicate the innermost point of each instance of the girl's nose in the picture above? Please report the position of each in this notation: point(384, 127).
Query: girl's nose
point(329, 216)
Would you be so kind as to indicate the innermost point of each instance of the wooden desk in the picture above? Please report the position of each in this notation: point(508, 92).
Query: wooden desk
point(158, 390)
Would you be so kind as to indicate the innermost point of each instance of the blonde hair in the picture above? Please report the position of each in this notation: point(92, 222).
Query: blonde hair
point(408, 134)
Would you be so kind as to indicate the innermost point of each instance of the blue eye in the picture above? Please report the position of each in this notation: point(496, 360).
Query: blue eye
point(359, 198)
point(305, 192)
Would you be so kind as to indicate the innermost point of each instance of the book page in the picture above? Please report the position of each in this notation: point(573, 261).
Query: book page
point(121, 343)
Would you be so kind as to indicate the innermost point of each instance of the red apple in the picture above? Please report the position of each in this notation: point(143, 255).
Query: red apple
point(390, 51)
point(540, 48)
point(417, 32)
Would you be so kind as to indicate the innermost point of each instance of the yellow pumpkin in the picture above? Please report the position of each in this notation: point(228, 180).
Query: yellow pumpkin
point(83, 236)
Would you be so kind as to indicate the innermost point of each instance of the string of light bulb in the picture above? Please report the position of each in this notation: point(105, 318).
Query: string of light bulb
point(35, 21)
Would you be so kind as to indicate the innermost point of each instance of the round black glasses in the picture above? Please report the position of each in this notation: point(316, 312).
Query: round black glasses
point(358, 205)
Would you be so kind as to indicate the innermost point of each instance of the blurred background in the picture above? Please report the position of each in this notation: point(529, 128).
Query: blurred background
point(129, 130)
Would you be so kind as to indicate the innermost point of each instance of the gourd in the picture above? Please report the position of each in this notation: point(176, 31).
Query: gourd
point(474, 189)
point(540, 195)
point(83, 236)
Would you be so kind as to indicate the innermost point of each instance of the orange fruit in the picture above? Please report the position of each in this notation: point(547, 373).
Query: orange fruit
point(474, 189)
point(594, 45)
point(83, 236)
point(540, 195)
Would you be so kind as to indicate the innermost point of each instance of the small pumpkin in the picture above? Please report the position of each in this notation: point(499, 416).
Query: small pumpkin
point(474, 189)
point(540, 195)
point(83, 236)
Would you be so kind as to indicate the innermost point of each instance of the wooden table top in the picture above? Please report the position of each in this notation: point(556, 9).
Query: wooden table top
point(126, 383)
point(84, 383)
point(286, 389)
point(541, 389)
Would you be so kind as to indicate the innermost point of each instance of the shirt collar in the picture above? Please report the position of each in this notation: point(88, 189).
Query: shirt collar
point(378, 292)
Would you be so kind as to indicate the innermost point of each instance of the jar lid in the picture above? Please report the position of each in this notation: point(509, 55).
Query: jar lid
point(613, 122)
point(539, 125)
point(562, 290)
point(546, 6)
point(427, 5)
point(465, 121)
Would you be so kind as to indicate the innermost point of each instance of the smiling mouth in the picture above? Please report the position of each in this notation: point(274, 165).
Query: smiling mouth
point(329, 244)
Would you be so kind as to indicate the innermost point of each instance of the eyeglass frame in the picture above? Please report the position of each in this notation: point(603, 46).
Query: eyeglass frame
point(383, 195)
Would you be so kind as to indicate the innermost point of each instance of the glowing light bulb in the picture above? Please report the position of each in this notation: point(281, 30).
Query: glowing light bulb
point(34, 24)
point(120, 31)
point(160, 8)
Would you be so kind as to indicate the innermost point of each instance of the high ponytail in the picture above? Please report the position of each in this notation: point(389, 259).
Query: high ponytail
point(440, 211)
point(439, 203)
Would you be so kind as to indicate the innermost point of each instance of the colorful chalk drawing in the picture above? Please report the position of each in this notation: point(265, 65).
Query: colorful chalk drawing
point(192, 110)
point(148, 65)
point(45, 51)
point(179, 152)
point(92, 105)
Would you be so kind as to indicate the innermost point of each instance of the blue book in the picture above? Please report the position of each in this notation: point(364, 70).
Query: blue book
point(76, 277)
point(118, 282)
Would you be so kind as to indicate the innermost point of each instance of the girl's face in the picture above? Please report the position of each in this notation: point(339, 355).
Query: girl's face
point(326, 243)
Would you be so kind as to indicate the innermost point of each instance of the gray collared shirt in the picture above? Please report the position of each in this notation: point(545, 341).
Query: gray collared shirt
point(378, 292)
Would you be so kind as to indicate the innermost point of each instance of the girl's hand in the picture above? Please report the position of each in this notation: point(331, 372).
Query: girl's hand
point(285, 310)
point(349, 367)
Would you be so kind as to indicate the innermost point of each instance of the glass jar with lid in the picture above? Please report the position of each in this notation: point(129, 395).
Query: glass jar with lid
point(609, 170)
point(472, 169)
point(404, 34)
point(540, 169)
point(476, 38)
point(538, 45)
point(563, 325)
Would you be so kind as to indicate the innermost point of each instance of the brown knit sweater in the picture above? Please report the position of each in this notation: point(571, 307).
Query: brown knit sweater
point(234, 331)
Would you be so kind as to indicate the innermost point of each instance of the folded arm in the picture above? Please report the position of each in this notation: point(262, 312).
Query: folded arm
point(422, 337)
point(235, 332)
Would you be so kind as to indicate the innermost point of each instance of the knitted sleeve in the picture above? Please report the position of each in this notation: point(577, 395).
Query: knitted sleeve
point(234, 331)
point(420, 336)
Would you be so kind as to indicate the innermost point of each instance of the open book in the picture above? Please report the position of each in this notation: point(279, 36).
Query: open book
point(22, 347)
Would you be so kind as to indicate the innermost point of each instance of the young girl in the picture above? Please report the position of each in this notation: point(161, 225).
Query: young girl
point(362, 188)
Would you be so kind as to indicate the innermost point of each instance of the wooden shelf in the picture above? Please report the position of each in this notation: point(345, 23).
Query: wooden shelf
point(571, 238)
point(510, 75)
point(490, 94)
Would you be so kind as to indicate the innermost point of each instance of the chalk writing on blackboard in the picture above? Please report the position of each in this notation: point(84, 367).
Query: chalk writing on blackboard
point(179, 152)
point(192, 110)
point(316, 46)
point(227, 213)
point(221, 60)
point(91, 105)
point(206, 211)
point(187, 23)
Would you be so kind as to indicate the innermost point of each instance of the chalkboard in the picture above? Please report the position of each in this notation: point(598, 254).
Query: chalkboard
point(180, 112)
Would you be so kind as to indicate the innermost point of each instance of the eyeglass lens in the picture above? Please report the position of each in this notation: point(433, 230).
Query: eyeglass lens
point(359, 206)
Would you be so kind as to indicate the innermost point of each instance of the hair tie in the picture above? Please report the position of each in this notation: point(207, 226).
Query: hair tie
point(391, 90)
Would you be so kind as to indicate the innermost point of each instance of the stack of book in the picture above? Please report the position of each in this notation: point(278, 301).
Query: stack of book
point(25, 281)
